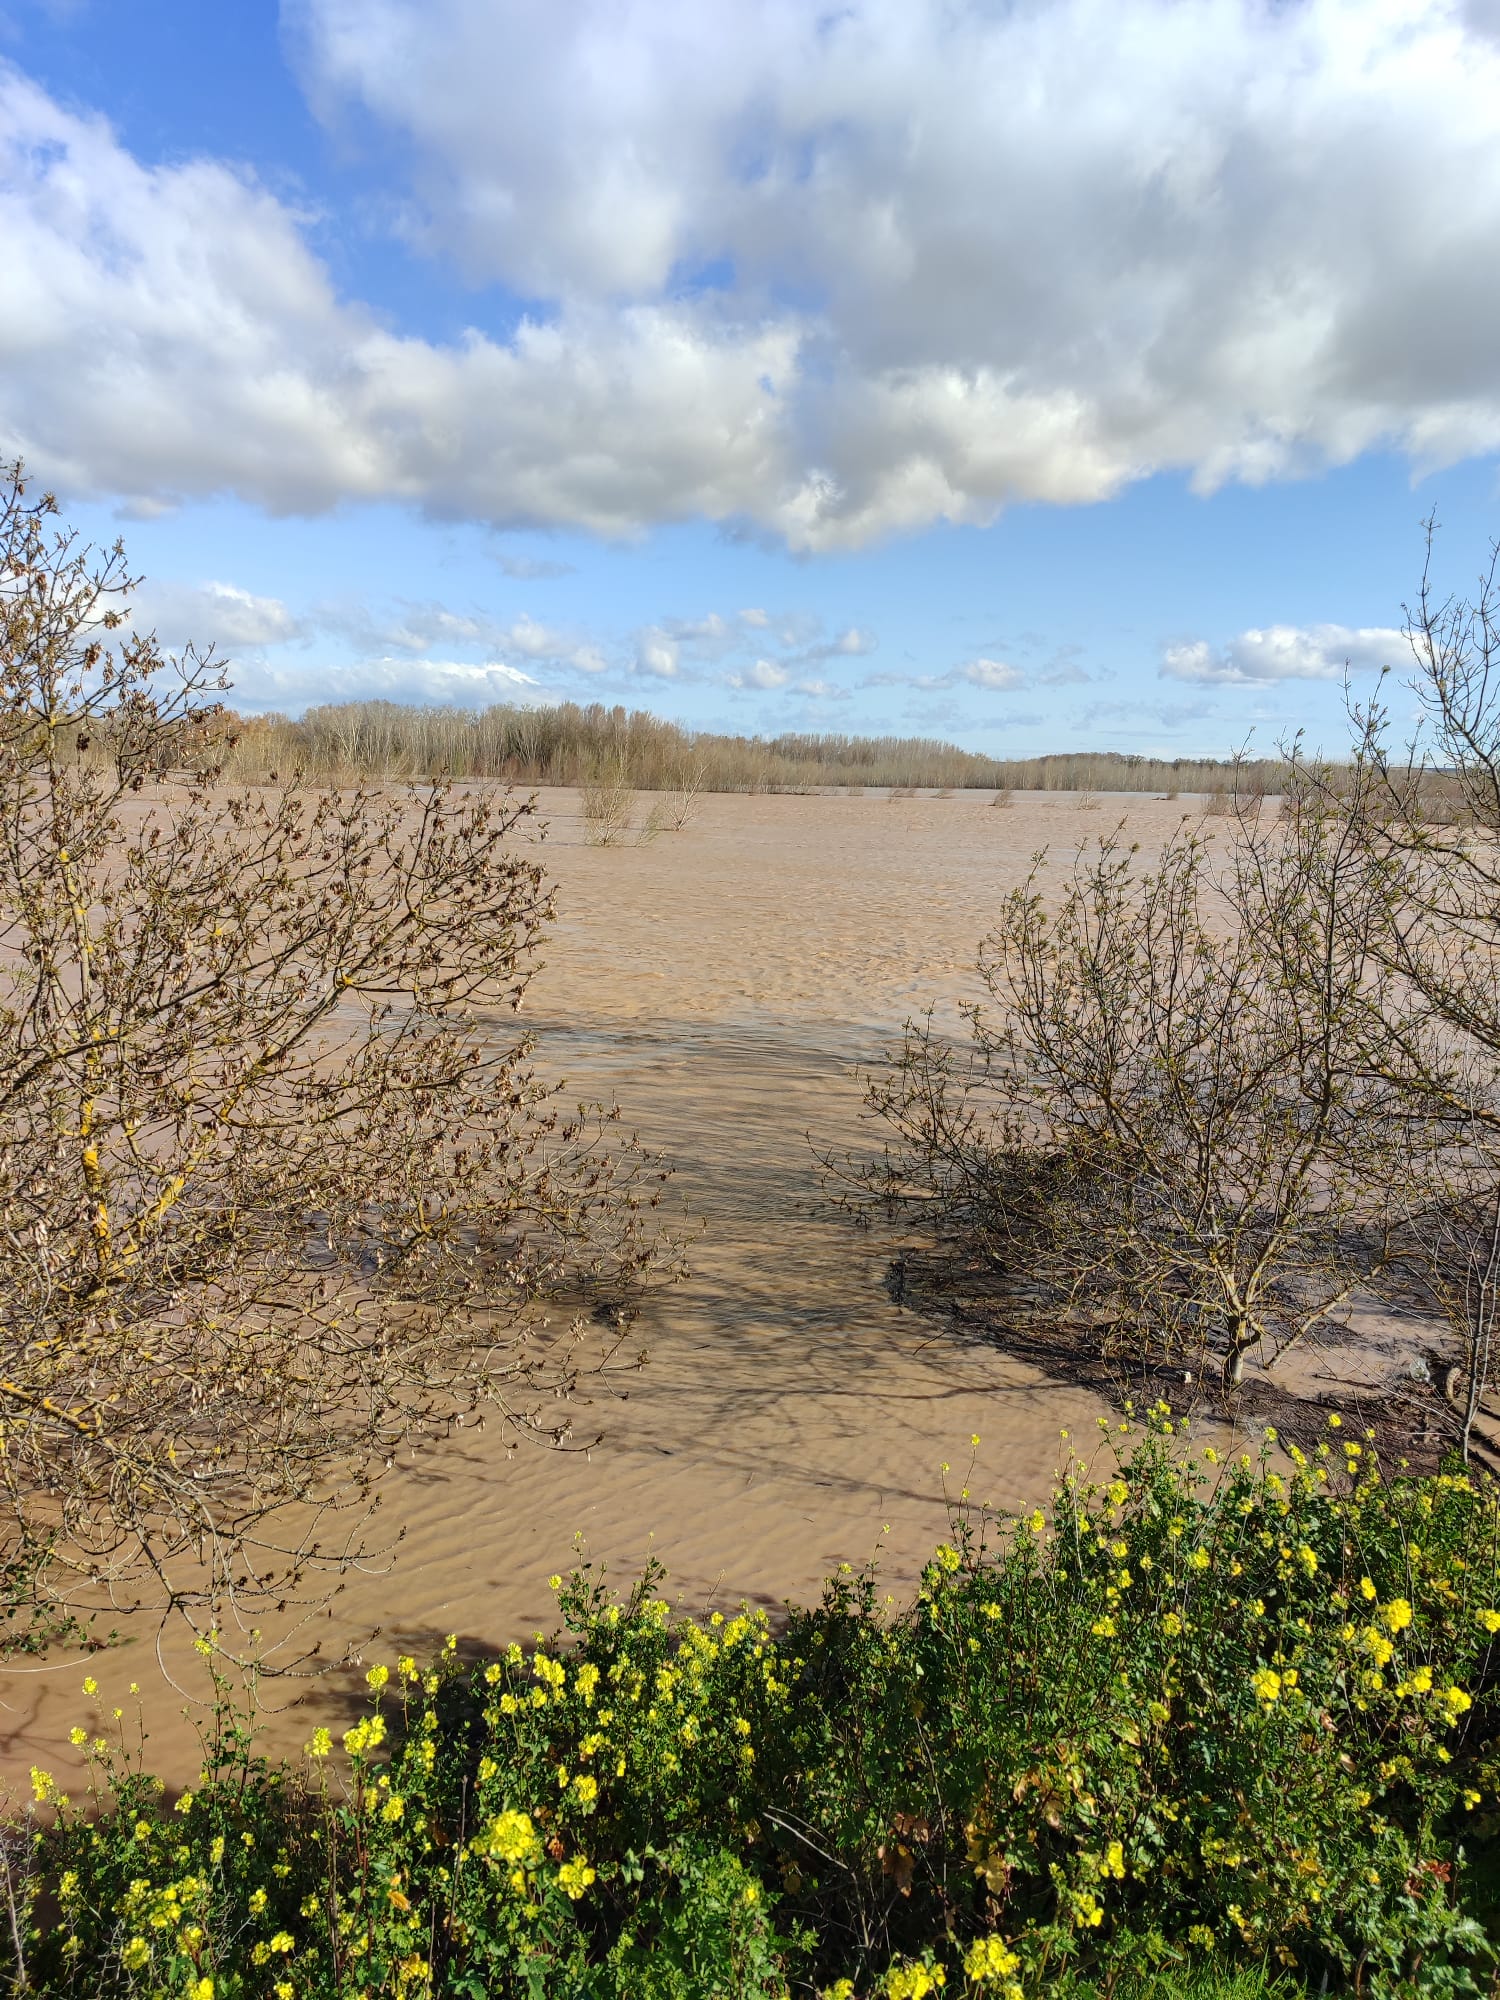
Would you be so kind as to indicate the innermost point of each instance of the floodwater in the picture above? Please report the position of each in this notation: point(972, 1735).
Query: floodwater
point(721, 983)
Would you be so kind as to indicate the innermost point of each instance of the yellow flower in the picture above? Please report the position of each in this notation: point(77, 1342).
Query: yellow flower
point(1490, 1620)
point(1103, 1628)
point(1171, 1625)
point(586, 1787)
point(136, 1955)
point(574, 1877)
point(1267, 1684)
point(1367, 1589)
point(320, 1745)
point(554, 1583)
point(78, 1737)
point(1037, 1521)
point(1379, 1647)
point(257, 1902)
point(1397, 1614)
point(43, 1785)
point(990, 1959)
point(377, 1677)
point(283, 1941)
point(914, 1982)
point(512, 1837)
point(90, 1685)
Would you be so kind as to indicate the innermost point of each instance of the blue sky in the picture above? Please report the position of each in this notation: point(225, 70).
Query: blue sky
point(1042, 374)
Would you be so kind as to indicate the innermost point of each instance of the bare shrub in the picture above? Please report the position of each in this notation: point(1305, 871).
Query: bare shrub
point(1003, 799)
point(271, 1201)
point(686, 801)
point(1164, 1123)
point(608, 809)
point(658, 820)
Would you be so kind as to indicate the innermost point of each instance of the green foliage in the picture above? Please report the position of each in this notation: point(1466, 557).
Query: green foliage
point(1208, 1725)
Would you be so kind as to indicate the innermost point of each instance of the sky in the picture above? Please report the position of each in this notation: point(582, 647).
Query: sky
point(1038, 374)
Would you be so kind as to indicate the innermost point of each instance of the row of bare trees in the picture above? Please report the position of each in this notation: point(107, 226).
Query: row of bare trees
point(569, 744)
point(280, 1186)
point(1206, 1101)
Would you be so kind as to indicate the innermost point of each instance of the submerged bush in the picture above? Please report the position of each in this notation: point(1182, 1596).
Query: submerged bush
point(1204, 1712)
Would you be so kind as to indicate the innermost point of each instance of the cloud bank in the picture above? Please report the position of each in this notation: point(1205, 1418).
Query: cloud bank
point(831, 274)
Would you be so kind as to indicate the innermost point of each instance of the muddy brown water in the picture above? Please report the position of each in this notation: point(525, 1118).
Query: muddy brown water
point(721, 983)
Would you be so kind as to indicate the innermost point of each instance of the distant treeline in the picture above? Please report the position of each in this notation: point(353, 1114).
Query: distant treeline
point(573, 745)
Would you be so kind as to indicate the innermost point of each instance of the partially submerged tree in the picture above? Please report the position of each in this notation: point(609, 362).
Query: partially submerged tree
point(1168, 1128)
point(279, 1188)
point(1427, 813)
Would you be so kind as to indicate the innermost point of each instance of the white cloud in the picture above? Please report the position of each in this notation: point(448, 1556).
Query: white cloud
point(453, 683)
point(1284, 653)
point(656, 652)
point(1038, 252)
point(211, 614)
point(419, 628)
point(997, 675)
point(764, 674)
point(756, 618)
point(1046, 249)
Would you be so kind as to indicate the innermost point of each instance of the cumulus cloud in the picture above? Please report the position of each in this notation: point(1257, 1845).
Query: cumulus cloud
point(764, 674)
point(212, 614)
point(1136, 239)
point(419, 628)
point(658, 653)
point(1285, 653)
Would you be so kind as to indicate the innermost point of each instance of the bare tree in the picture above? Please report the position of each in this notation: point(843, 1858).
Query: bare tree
point(278, 1190)
point(1168, 1126)
point(1428, 815)
point(686, 801)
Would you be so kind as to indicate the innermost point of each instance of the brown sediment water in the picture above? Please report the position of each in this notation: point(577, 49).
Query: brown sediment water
point(721, 983)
